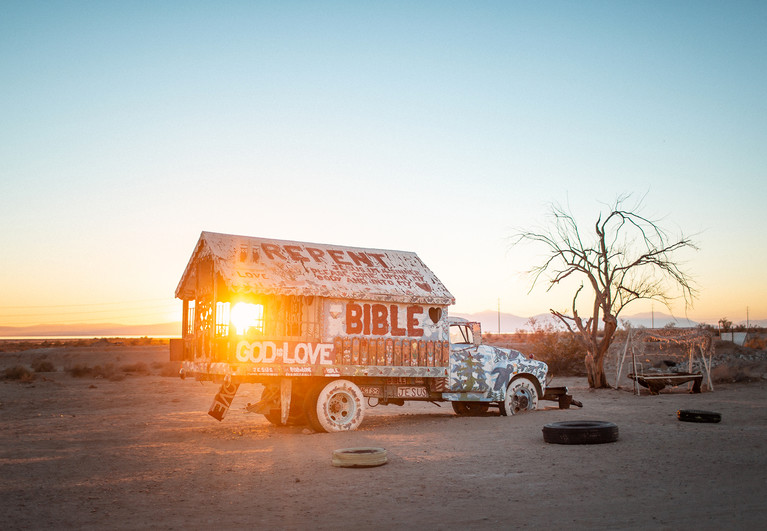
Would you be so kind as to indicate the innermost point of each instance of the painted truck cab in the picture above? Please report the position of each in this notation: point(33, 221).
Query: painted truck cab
point(487, 374)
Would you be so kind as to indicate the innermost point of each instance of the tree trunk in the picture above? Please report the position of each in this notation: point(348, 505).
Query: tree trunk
point(595, 371)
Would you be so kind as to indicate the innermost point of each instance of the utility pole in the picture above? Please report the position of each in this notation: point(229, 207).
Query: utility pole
point(499, 315)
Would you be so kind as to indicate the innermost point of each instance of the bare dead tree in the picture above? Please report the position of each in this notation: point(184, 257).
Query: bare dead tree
point(629, 258)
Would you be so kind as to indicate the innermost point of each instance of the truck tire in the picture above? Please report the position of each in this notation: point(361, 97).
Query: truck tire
point(470, 409)
point(580, 432)
point(359, 457)
point(296, 417)
point(521, 397)
point(297, 413)
point(697, 415)
point(338, 406)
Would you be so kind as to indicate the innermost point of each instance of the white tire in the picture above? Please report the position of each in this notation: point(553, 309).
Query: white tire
point(340, 407)
point(521, 397)
point(359, 457)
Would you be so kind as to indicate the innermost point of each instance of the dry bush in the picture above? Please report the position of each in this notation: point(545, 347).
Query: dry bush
point(561, 351)
point(759, 343)
point(107, 372)
point(167, 368)
point(43, 366)
point(739, 371)
point(136, 368)
point(19, 372)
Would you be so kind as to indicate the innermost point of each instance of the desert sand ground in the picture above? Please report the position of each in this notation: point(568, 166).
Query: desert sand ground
point(139, 451)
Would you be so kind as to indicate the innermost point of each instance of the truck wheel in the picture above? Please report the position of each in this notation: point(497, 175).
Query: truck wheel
point(296, 417)
point(296, 414)
point(521, 397)
point(470, 409)
point(339, 406)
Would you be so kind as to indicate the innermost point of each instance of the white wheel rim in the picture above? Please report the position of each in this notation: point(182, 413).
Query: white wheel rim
point(520, 398)
point(341, 407)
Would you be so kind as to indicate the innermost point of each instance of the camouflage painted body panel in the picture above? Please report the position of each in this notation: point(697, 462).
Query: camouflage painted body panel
point(483, 372)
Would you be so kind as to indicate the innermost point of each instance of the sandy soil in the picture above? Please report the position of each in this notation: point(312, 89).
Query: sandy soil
point(141, 452)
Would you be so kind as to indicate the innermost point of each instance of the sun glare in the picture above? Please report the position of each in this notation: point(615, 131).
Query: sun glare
point(245, 315)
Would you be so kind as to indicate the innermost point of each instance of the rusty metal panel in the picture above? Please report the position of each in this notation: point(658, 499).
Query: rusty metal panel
point(414, 353)
point(430, 354)
point(381, 352)
point(219, 371)
point(445, 353)
point(347, 346)
point(398, 352)
point(338, 350)
point(265, 266)
point(364, 359)
point(356, 351)
point(390, 352)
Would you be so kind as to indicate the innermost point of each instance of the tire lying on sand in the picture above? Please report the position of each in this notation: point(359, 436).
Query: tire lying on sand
point(697, 415)
point(580, 432)
point(359, 457)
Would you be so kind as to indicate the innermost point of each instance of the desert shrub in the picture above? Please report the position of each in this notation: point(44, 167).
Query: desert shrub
point(759, 343)
point(85, 371)
point(80, 371)
point(739, 371)
point(19, 372)
point(43, 366)
point(136, 368)
point(169, 368)
point(562, 351)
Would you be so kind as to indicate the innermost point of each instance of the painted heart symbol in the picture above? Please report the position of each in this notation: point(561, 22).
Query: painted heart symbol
point(424, 286)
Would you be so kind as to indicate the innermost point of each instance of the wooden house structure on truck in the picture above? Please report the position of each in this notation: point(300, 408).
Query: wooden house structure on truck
point(321, 326)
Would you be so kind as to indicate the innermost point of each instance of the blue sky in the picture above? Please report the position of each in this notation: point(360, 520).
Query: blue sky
point(437, 127)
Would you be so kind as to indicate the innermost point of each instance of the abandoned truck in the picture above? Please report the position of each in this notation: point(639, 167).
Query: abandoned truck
point(329, 330)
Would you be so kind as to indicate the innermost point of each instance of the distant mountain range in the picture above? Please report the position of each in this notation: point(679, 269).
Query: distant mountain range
point(489, 319)
point(511, 323)
point(92, 330)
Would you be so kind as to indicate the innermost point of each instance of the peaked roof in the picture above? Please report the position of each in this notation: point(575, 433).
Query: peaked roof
point(280, 267)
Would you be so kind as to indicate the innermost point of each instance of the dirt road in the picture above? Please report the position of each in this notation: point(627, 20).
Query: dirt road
point(142, 452)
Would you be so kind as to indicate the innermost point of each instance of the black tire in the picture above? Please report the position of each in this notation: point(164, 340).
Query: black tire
point(470, 409)
point(697, 415)
point(296, 414)
point(580, 432)
point(310, 407)
point(359, 457)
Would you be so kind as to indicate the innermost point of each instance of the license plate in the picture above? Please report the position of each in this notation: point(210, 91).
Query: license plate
point(412, 392)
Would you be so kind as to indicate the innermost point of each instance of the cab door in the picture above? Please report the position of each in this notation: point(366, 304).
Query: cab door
point(469, 363)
